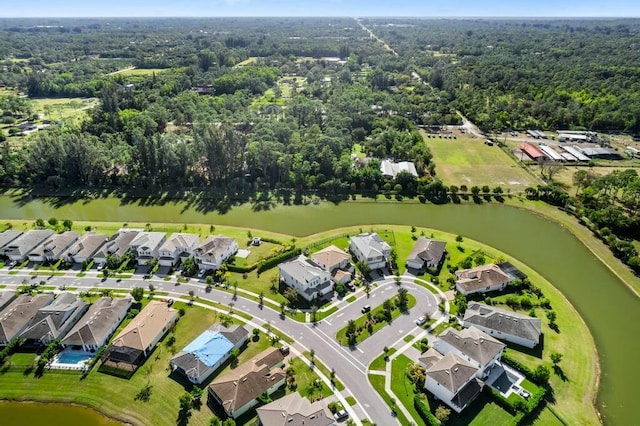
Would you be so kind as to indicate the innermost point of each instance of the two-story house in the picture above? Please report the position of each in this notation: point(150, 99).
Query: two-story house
point(146, 245)
point(177, 248)
point(336, 262)
point(216, 249)
point(306, 277)
point(370, 249)
point(481, 279)
point(52, 249)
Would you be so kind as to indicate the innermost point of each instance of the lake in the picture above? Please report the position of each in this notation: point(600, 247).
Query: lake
point(34, 413)
point(609, 308)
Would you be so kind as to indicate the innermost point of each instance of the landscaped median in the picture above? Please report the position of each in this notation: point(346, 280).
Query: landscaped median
point(373, 321)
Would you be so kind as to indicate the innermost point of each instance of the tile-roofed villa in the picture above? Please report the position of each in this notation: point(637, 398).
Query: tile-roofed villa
point(207, 352)
point(426, 253)
point(214, 251)
point(146, 244)
point(370, 249)
point(7, 237)
point(295, 410)
point(306, 277)
point(504, 325)
point(176, 248)
point(52, 321)
point(237, 390)
point(53, 248)
point(98, 323)
point(19, 248)
point(84, 249)
point(336, 262)
point(136, 341)
point(15, 318)
point(481, 279)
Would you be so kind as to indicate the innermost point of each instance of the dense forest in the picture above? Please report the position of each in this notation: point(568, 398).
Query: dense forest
point(244, 105)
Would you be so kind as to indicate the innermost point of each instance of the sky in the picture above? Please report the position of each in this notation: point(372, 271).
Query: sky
point(414, 8)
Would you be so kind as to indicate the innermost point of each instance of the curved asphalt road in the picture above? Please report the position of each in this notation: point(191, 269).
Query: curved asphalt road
point(350, 364)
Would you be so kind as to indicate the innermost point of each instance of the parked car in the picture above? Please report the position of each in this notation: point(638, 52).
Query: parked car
point(341, 415)
point(421, 320)
point(13, 264)
point(170, 302)
point(366, 309)
point(201, 273)
point(100, 267)
point(284, 350)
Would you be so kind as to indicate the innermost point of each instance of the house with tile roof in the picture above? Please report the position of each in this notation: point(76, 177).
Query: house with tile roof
point(336, 262)
point(97, 325)
point(295, 410)
point(177, 248)
point(238, 390)
point(136, 341)
point(15, 317)
point(53, 321)
point(214, 251)
point(504, 325)
point(481, 279)
point(371, 250)
point(117, 246)
point(306, 277)
point(207, 352)
point(427, 254)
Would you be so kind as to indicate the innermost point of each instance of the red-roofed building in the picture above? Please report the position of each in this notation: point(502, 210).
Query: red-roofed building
point(533, 152)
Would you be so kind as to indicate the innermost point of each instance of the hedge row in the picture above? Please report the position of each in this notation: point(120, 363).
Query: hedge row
point(424, 412)
point(241, 269)
point(273, 261)
point(8, 350)
point(521, 410)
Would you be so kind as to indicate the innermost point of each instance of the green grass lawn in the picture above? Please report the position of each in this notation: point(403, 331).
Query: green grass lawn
point(62, 108)
point(146, 72)
point(305, 377)
point(362, 336)
point(380, 364)
point(401, 385)
point(468, 161)
point(161, 409)
point(377, 382)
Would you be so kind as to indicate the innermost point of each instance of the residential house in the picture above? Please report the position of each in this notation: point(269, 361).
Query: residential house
point(238, 390)
point(216, 249)
point(19, 248)
point(390, 169)
point(53, 248)
point(6, 297)
point(207, 352)
point(504, 325)
point(295, 410)
point(481, 279)
point(53, 321)
point(306, 277)
point(6, 238)
point(475, 347)
point(136, 341)
point(117, 246)
point(15, 318)
point(147, 245)
point(98, 324)
point(84, 249)
point(336, 262)
point(176, 248)
point(451, 379)
point(427, 253)
point(370, 249)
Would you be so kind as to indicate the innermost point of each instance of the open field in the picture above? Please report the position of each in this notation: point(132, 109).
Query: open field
point(62, 108)
point(565, 175)
point(141, 71)
point(468, 161)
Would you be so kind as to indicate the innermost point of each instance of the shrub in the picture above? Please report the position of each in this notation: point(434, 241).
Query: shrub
point(424, 412)
point(275, 260)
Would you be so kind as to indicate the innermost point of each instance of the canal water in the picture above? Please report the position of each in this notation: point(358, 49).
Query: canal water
point(611, 311)
point(34, 413)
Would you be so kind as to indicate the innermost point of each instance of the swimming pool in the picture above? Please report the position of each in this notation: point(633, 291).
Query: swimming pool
point(71, 360)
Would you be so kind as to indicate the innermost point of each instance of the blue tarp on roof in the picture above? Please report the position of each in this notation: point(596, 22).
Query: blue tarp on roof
point(209, 347)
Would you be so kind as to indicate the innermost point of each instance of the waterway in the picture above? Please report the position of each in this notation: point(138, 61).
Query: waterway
point(610, 309)
point(34, 413)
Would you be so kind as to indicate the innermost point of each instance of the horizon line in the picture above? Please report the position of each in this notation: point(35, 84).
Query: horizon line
point(323, 16)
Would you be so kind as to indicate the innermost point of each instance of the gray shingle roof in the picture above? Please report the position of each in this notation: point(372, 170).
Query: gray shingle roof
point(95, 325)
point(6, 297)
point(52, 321)
point(452, 372)
point(15, 317)
point(7, 236)
point(427, 250)
point(474, 343)
point(214, 246)
point(87, 245)
point(295, 410)
point(56, 245)
point(370, 245)
point(118, 245)
point(304, 270)
point(506, 322)
point(148, 240)
point(180, 241)
point(26, 242)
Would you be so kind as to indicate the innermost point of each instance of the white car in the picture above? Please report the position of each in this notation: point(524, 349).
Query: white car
point(201, 273)
point(421, 320)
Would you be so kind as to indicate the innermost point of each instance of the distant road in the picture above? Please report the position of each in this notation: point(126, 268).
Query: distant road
point(122, 70)
point(384, 43)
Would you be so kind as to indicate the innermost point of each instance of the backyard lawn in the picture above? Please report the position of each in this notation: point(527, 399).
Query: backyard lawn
point(468, 161)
